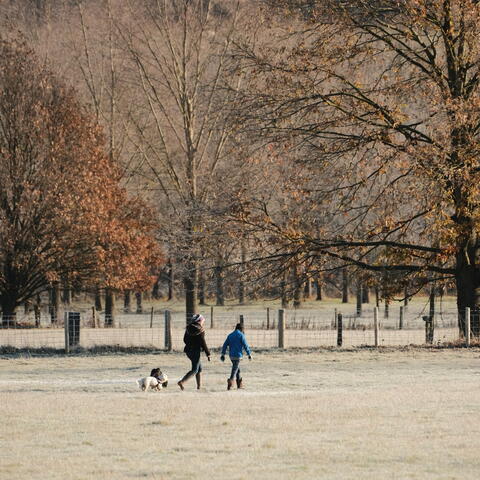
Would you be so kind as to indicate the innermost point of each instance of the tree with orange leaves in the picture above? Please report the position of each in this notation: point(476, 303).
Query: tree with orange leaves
point(62, 210)
point(383, 100)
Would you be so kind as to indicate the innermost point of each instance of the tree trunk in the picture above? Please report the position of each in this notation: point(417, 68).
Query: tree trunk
point(54, 302)
point(467, 278)
point(156, 289)
point(109, 307)
point(241, 282)
point(67, 293)
point(365, 294)
point(127, 301)
point(297, 288)
point(98, 300)
point(219, 292)
point(201, 288)
point(344, 285)
point(171, 280)
point(284, 293)
point(139, 298)
point(307, 292)
point(9, 306)
point(318, 287)
point(359, 299)
point(190, 284)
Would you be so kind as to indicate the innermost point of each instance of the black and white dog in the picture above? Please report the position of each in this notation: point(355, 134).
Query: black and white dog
point(155, 381)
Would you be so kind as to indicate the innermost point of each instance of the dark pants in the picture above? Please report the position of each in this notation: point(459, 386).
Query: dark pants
point(194, 357)
point(235, 369)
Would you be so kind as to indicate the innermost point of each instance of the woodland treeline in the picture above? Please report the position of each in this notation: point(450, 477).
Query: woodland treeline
point(239, 148)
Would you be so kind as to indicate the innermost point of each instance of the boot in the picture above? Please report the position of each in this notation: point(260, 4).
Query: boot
point(239, 382)
point(229, 384)
point(198, 378)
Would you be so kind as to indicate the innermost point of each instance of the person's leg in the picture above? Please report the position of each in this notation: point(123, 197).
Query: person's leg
point(235, 367)
point(233, 373)
point(198, 375)
point(239, 377)
point(195, 359)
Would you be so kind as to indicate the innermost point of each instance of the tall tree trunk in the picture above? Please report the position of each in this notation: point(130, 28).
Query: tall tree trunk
point(284, 292)
point(297, 287)
point(171, 280)
point(201, 288)
point(9, 306)
point(241, 281)
point(219, 291)
point(98, 299)
point(109, 307)
point(156, 289)
point(344, 285)
point(365, 293)
point(127, 301)
point(67, 293)
point(139, 298)
point(55, 302)
point(318, 287)
point(359, 298)
point(190, 285)
point(467, 278)
point(307, 291)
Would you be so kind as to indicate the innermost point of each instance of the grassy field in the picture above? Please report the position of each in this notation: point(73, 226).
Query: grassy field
point(366, 414)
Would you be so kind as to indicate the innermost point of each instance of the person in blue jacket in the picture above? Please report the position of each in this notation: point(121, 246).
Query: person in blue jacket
point(236, 343)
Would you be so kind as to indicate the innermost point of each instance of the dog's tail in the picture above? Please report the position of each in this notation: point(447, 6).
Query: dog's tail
point(141, 384)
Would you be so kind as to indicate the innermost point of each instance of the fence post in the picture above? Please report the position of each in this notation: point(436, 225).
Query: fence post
point(151, 318)
point(94, 317)
point(211, 317)
point(168, 331)
point(67, 333)
point(242, 321)
point(281, 328)
point(400, 321)
point(339, 330)
point(375, 325)
point(268, 318)
point(467, 326)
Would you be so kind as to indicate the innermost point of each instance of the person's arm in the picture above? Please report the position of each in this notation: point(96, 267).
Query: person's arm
point(246, 346)
point(224, 349)
point(204, 345)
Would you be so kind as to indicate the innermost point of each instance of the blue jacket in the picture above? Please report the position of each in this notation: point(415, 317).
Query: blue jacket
point(236, 342)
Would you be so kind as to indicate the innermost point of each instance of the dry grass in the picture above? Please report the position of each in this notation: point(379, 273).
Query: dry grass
point(336, 415)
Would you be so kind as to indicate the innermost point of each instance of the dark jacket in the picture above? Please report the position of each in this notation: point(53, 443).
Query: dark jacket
point(194, 339)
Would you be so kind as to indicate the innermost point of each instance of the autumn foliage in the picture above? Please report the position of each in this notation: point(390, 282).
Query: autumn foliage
point(63, 213)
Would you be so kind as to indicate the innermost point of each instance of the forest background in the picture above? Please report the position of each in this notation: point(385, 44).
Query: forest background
point(265, 146)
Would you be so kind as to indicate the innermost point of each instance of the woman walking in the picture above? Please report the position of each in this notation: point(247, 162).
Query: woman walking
point(194, 340)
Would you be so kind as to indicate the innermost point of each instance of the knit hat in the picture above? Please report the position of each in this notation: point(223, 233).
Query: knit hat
point(197, 318)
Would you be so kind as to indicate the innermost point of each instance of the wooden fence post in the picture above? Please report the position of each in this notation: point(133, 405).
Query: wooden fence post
point(168, 331)
point(67, 334)
point(467, 326)
point(281, 328)
point(268, 318)
point(375, 325)
point(339, 330)
point(151, 318)
point(211, 317)
point(400, 321)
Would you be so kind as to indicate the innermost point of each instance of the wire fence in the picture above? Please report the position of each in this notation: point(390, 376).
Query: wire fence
point(299, 328)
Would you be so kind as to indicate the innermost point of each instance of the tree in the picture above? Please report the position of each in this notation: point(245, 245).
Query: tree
point(62, 211)
point(383, 97)
point(180, 53)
